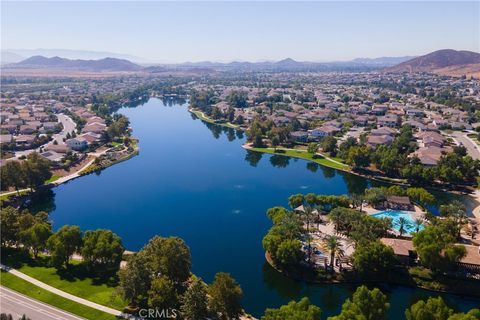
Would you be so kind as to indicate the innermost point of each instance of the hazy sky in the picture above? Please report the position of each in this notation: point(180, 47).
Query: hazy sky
point(225, 31)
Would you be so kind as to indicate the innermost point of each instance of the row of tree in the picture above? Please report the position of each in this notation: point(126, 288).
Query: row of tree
point(159, 276)
point(370, 305)
point(29, 173)
point(100, 249)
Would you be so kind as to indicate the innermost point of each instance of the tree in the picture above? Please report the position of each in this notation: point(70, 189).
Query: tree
point(289, 252)
point(333, 245)
point(402, 224)
point(63, 244)
point(195, 301)
point(301, 310)
point(433, 309)
point(373, 257)
point(9, 225)
point(102, 248)
point(312, 148)
point(473, 314)
point(135, 280)
point(37, 170)
point(358, 157)
point(420, 196)
point(169, 257)
point(162, 294)
point(237, 99)
point(36, 237)
point(12, 175)
point(329, 144)
point(456, 212)
point(364, 305)
point(295, 200)
point(225, 296)
point(436, 248)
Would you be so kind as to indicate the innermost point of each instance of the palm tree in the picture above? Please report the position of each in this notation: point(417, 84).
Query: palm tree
point(332, 244)
point(418, 223)
point(403, 224)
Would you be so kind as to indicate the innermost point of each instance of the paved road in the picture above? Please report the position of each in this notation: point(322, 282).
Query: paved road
point(17, 304)
point(68, 126)
point(61, 293)
point(472, 147)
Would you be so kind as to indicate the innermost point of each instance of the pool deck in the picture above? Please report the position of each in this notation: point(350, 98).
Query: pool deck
point(417, 214)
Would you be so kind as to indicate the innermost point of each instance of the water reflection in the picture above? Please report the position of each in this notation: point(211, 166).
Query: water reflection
point(285, 287)
point(279, 161)
point(42, 200)
point(312, 166)
point(253, 157)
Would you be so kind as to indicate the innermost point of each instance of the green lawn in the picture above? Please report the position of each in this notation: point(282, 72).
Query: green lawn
point(76, 280)
point(10, 281)
point(52, 179)
point(203, 117)
point(303, 155)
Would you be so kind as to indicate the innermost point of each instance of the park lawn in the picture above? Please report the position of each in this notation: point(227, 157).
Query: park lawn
point(203, 117)
point(52, 179)
point(13, 282)
point(303, 155)
point(76, 280)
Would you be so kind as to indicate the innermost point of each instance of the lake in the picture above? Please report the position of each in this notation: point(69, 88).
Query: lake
point(193, 180)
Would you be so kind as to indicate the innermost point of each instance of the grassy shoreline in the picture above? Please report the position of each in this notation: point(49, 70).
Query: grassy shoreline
point(26, 288)
point(199, 114)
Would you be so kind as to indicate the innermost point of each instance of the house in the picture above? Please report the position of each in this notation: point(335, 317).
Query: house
point(375, 140)
point(52, 156)
point(388, 121)
point(91, 137)
point(431, 139)
point(6, 138)
point(429, 156)
point(324, 131)
point(95, 127)
point(59, 148)
point(399, 203)
point(27, 129)
point(77, 144)
point(24, 140)
point(415, 113)
point(299, 136)
point(403, 249)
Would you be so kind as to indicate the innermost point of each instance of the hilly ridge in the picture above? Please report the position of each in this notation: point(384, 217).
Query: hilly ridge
point(105, 64)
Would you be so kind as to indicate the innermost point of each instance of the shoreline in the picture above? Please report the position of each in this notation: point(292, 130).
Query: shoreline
point(363, 281)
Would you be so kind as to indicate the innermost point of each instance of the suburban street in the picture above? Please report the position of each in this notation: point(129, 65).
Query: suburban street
point(463, 139)
point(68, 127)
point(17, 304)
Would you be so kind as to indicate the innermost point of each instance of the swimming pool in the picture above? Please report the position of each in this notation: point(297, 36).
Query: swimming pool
point(410, 227)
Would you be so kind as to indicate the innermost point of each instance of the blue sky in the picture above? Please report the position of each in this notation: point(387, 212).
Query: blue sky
point(226, 31)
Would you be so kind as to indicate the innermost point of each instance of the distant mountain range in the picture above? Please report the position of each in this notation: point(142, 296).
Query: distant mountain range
point(17, 55)
point(439, 61)
point(448, 62)
point(106, 64)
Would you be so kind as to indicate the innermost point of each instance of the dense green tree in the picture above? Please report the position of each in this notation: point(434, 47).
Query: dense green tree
point(433, 309)
point(37, 170)
point(12, 175)
point(289, 252)
point(135, 280)
point(436, 248)
point(358, 157)
point(420, 196)
point(237, 99)
point(36, 237)
point(63, 244)
point(364, 305)
point(169, 257)
point(371, 257)
point(225, 296)
point(102, 249)
point(295, 200)
point(162, 294)
point(312, 148)
point(9, 225)
point(457, 213)
point(195, 301)
point(473, 314)
point(329, 144)
point(301, 310)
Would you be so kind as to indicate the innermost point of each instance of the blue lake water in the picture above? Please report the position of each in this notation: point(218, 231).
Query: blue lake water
point(193, 180)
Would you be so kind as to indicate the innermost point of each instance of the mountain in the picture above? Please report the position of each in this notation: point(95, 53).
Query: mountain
point(10, 57)
point(436, 60)
point(383, 61)
point(106, 64)
point(75, 54)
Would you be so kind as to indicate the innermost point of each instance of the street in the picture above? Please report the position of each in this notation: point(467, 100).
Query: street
point(17, 304)
point(472, 148)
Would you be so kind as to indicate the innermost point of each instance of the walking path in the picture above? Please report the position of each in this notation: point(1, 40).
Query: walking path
point(60, 292)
